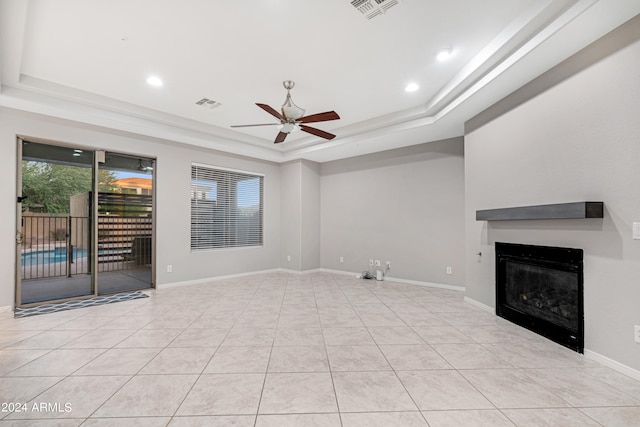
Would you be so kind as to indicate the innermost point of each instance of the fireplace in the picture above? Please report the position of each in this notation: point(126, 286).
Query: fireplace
point(541, 288)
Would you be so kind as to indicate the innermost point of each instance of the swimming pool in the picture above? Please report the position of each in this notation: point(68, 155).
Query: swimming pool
point(50, 257)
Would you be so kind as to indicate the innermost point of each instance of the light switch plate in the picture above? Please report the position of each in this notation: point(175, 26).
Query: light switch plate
point(636, 231)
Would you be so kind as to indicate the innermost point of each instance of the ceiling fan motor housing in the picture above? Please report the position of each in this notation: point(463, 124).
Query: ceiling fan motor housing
point(290, 110)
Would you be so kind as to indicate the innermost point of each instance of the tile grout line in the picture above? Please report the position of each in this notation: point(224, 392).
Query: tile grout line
point(264, 381)
point(391, 366)
point(333, 382)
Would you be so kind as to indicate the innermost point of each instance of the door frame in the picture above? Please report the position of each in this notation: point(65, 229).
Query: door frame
point(19, 235)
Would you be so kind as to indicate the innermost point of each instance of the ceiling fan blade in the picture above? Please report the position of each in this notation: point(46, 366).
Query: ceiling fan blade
point(262, 124)
point(271, 111)
point(320, 117)
point(317, 132)
point(281, 136)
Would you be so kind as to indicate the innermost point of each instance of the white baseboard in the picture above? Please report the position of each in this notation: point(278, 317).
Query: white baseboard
point(428, 284)
point(398, 280)
point(286, 270)
point(234, 276)
point(480, 305)
point(340, 272)
point(213, 279)
point(315, 270)
point(610, 363)
point(6, 309)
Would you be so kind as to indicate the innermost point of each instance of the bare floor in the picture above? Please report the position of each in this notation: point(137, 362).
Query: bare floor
point(298, 350)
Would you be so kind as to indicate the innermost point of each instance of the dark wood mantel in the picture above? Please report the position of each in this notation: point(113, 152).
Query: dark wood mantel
point(573, 210)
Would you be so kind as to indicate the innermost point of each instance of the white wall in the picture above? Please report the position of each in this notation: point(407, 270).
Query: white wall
point(579, 140)
point(405, 206)
point(173, 178)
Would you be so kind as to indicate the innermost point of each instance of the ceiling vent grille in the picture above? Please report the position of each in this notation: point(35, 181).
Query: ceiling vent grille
point(208, 103)
point(373, 8)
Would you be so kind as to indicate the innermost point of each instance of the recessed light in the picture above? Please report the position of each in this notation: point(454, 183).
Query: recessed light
point(154, 81)
point(76, 154)
point(444, 54)
point(412, 87)
point(77, 151)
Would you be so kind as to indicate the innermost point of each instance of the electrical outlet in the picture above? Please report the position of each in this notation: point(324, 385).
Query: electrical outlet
point(289, 258)
point(341, 259)
point(388, 265)
point(449, 270)
point(169, 268)
point(636, 329)
point(378, 263)
point(371, 262)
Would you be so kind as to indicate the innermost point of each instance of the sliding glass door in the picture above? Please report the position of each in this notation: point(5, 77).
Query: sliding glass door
point(55, 220)
point(72, 243)
point(125, 224)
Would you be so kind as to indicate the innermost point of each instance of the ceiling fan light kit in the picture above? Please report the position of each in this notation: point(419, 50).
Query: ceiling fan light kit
point(289, 127)
point(292, 118)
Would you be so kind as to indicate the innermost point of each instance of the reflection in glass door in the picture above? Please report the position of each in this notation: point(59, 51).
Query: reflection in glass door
point(54, 223)
point(125, 224)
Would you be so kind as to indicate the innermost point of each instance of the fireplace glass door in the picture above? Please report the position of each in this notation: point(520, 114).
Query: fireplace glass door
point(541, 289)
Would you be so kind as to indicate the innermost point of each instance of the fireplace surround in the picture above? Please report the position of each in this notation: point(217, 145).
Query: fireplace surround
point(541, 288)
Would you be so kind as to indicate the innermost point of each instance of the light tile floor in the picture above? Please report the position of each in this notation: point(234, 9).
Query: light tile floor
point(298, 350)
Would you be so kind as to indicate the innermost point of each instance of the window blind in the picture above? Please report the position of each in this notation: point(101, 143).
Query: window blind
point(226, 208)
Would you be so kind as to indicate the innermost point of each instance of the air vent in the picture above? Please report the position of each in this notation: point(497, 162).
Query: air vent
point(208, 103)
point(373, 8)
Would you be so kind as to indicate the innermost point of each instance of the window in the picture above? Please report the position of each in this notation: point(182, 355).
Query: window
point(226, 208)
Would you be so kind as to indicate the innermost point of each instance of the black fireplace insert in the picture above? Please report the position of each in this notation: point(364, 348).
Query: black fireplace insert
point(541, 288)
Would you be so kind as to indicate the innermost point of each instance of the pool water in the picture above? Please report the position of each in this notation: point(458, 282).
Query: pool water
point(49, 257)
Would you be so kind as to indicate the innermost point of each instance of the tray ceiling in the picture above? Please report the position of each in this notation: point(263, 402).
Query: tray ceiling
point(88, 61)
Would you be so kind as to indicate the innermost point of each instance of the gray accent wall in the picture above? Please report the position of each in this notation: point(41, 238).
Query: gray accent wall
point(577, 140)
point(290, 216)
point(310, 212)
point(405, 206)
point(300, 215)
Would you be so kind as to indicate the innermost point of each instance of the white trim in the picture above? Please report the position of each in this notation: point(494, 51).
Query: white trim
point(234, 276)
point(213, 279)
point(286, 270)
point(610, 363)
point(6, 309)
point(315, 270)
point(478, 304)
point(341, 272)
point(429, 284)
point(397, 280)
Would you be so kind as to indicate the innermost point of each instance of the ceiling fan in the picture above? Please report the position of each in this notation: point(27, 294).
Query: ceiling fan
point(292, 118)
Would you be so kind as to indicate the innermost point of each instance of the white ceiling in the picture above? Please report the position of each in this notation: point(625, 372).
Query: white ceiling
point(88, 61)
